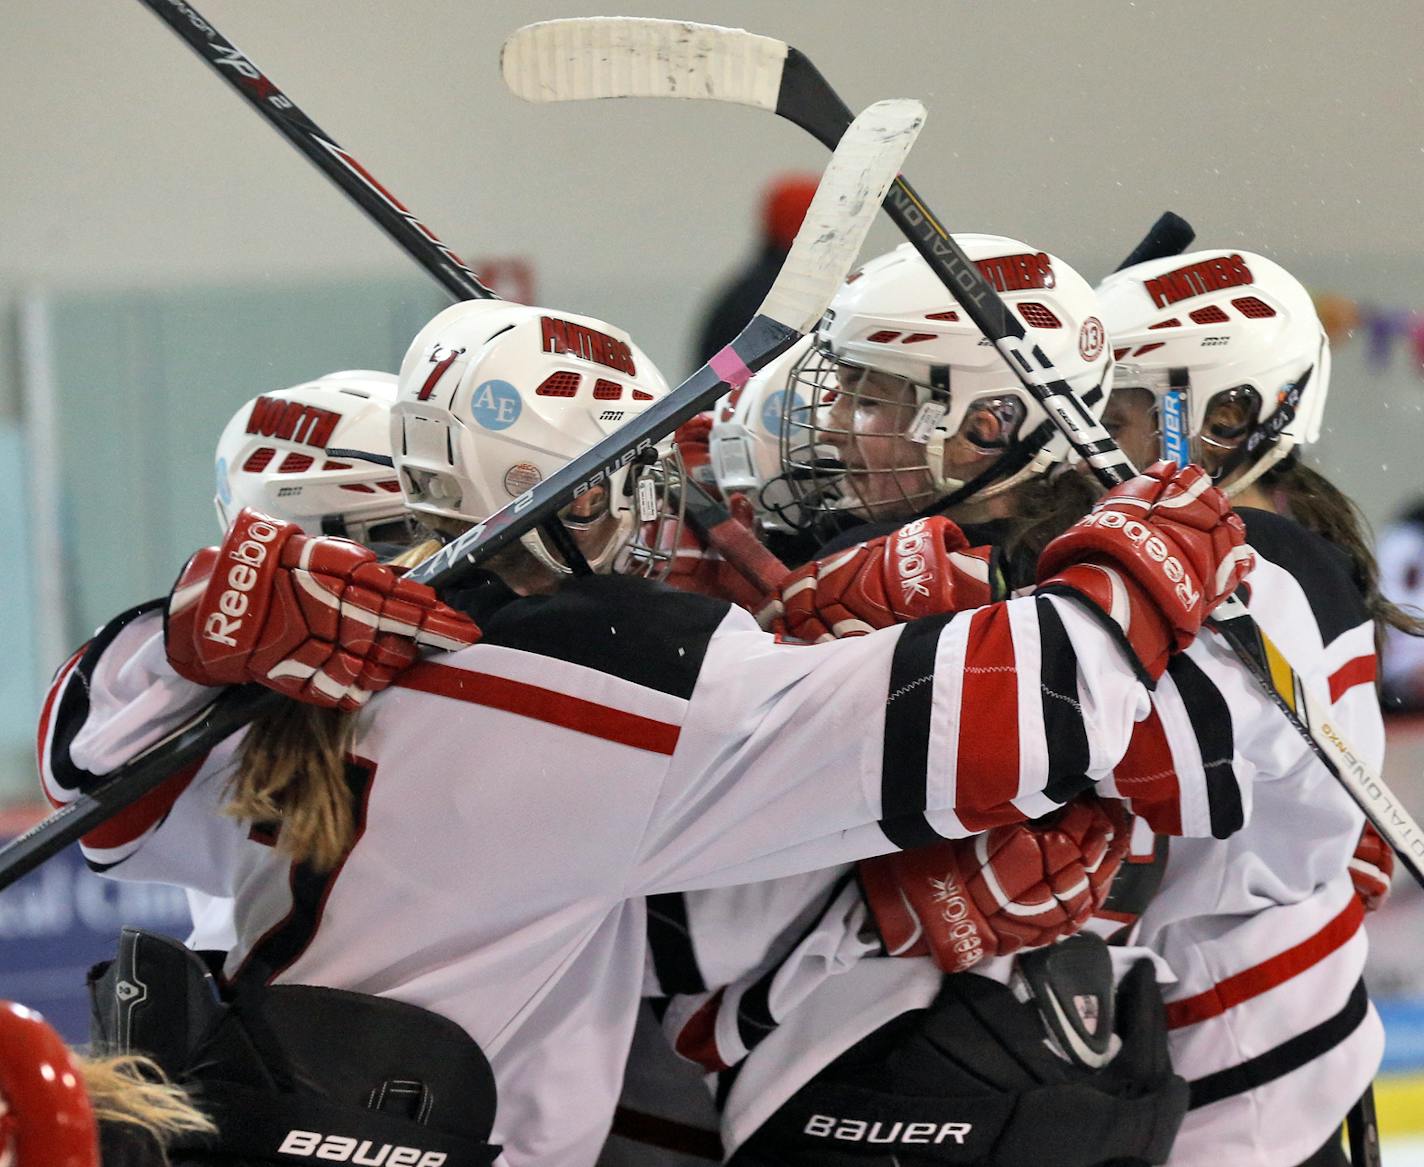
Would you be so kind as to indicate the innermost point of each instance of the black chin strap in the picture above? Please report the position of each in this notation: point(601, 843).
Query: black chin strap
point(1015, 458)
point(1267, 433)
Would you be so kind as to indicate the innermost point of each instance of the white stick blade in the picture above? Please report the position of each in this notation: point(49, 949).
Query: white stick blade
point(621, 56)
point(860, 172)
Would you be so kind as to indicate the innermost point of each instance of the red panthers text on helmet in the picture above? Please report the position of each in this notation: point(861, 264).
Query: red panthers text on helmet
point(564, 336)
point(1018, 273)
point(307, 424)
point(1197, 279)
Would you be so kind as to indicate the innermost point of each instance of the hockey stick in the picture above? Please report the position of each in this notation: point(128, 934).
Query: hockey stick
point(836, 223)
point(599, 57)
point(1170, 235)
point(354, 180)
point(1362, 1130)
point(821, 255)
point(408, 232)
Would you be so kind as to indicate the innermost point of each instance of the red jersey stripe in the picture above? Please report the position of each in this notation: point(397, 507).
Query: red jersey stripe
point(1147, 777)
point(989, 755)
point(1360, 671)
point(1254, 981)
point(519, 697)
point(697, 1039)
point(47, 712)
point(133, 820)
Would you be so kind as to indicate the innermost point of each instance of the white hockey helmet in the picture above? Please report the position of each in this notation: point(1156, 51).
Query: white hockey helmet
point(745, 443)
point(898, 342)
point(1230, 345)
point(495, 397)
point(273, 455)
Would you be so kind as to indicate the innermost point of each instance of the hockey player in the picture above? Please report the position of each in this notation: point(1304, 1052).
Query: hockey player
point(508, 802)
point(1282, 885)
point(272, 456)
point(904, 409)
point(1401, 563)
point(1222, 355)
point(923, 417)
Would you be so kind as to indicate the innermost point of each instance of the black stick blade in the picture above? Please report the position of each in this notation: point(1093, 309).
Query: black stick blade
point(1170, 235)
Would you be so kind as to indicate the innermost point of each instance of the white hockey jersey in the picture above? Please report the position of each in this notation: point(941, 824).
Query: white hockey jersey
point(516, 799)
point(1261, 929)
point(1189, 769)
point(1268, 1019)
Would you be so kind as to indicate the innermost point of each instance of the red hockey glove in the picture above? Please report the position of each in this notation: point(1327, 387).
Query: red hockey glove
point(1372, 868)
point(1156, 554)
point(693, 441)
point(926, 568)
point(317, 619)
point(1020, 886)
point(698, 568)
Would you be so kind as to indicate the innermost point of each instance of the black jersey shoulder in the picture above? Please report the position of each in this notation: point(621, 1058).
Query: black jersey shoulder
point(1325, 573)
point(643, 632)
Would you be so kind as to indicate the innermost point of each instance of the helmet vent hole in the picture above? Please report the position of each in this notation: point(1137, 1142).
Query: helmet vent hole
point(295, 463)
point(606, 390)
point(947, 314)
point(639, 395)
point(1172, 323)
point(1149, 348)
point(357, 488)
point(1211, 314)
point(336, 465)
point(1038, 315)
point(259, 459)
point(917, 337)
point(564, 384)
point(1253, 308)
point(1119, 353)
point(882, 336)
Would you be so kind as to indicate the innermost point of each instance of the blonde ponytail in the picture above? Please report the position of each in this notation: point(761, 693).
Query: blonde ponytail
point(292, 771)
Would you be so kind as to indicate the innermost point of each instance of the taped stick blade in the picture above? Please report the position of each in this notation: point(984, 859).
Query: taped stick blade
point(861, 170)
point(619, 56)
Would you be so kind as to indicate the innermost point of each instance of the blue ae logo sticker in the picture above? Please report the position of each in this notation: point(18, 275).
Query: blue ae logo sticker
point(496, 404)
point(771, 411)
point(224, 487)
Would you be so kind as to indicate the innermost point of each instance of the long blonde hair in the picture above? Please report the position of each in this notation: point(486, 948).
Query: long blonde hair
point(291, 771)
point(132, 1091)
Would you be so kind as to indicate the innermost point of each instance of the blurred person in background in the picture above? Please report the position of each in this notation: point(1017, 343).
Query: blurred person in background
point(782, 209)
point(1401, 576)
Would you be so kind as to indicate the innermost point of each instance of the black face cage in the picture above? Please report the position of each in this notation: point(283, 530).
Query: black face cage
point(654, 492)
